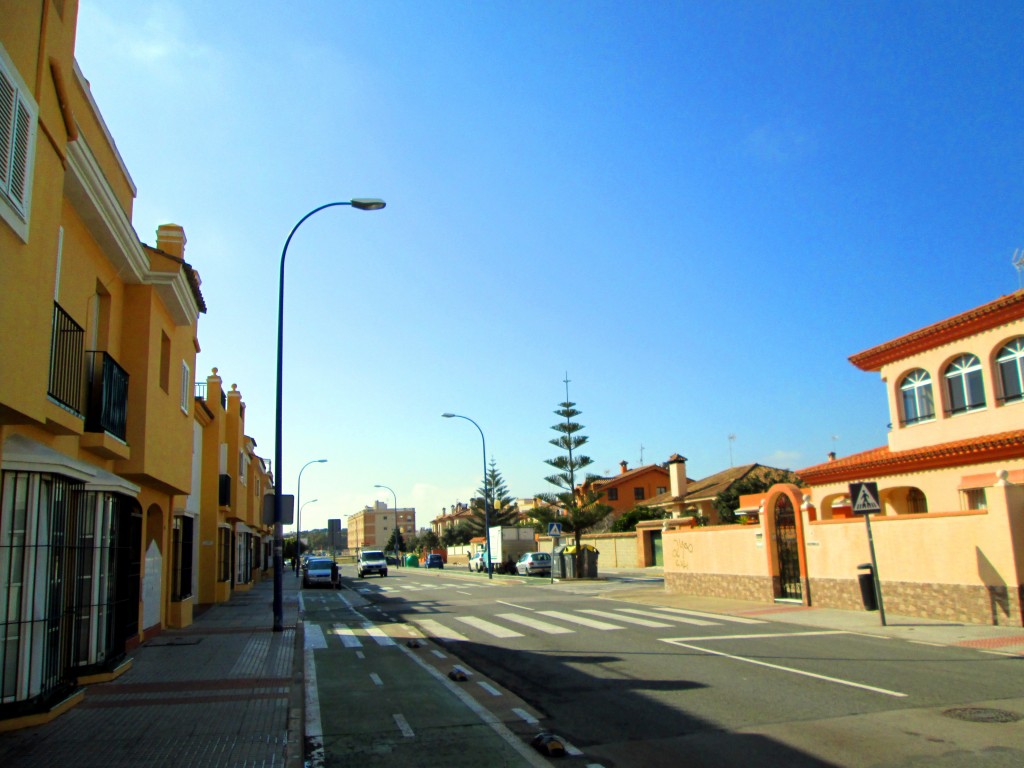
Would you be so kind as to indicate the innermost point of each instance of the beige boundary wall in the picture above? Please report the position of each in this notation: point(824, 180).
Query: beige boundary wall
point(616, 550)
point(955, 566)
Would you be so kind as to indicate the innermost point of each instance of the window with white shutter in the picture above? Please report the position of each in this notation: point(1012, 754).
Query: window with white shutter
point(17, 143)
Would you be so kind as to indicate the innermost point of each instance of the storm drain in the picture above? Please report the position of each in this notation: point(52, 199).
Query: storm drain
point(983, 715)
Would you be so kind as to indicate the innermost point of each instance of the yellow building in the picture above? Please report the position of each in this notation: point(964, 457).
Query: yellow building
point(98, 341)
point(234, 544)
point(372, 526)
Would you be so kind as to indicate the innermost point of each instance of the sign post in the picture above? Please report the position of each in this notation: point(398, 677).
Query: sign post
point(555, 532)
point(865, 501)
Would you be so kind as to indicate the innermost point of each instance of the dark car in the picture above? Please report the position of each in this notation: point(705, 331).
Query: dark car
point(434, 561)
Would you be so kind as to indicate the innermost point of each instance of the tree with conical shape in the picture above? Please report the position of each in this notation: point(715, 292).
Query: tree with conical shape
point(503, 505)
point(578, 509)
point(396, 543)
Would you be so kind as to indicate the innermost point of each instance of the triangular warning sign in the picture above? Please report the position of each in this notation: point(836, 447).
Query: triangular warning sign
point(866, 502)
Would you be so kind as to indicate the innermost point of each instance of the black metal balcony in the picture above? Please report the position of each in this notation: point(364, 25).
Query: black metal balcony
point(66, 361)
point(108, 396)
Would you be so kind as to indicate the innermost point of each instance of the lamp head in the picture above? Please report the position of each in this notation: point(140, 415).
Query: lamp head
point(367, 203)
point(321, 461)
point(447, 415)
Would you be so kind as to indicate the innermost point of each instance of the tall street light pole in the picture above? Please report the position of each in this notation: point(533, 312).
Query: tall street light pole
point(487, 517)
point(363, 204)
point(299, 506)
point(395, 495)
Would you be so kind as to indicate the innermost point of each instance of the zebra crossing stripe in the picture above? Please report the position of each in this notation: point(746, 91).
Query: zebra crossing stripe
point(681, 619)
point(627, 619)
point(495, 630)
point(529, 621)
point(377, 634)
point(347, 636)
point(713, 616)
point(581, 620)
point(440, 631)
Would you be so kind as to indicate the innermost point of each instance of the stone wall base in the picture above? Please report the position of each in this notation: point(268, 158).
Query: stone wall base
point(721, 585)
point(962, 603)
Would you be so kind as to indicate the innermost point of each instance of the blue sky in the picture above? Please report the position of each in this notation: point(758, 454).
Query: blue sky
point(697, 210)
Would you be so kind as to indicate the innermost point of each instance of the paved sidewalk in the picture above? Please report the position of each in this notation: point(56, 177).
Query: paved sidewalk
point(224, 692)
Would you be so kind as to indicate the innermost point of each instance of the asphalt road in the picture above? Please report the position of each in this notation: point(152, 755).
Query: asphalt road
point(633, 684)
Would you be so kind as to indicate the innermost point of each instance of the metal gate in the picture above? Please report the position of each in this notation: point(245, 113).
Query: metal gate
point(656, 549)
point(790, 586)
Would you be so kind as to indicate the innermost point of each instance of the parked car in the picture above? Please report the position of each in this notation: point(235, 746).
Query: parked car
point(371, 561)
point(534, 563)
point(434, 561)
point(320, 571)
point(478, 562)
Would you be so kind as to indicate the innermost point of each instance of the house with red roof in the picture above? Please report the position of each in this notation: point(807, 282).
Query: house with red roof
point(949, 531)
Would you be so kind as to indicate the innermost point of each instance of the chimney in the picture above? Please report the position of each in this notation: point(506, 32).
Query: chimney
point(625, 466)
point(831, 455)
point(677, 475)
point(170, 238)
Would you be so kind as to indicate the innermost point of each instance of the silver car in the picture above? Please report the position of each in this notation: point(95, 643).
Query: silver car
point(534, 563)
point(319, 572)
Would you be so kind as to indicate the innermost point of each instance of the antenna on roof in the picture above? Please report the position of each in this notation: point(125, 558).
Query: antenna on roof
point(732, 439)
point(641, 454)
point(1018, 263)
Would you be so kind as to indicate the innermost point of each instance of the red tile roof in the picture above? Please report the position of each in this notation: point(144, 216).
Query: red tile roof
point(999, 312)
point(879, 462)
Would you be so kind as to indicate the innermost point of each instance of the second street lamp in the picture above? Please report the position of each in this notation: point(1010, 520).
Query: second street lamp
point(299, 505)
point(363, 204)
point(487, 517)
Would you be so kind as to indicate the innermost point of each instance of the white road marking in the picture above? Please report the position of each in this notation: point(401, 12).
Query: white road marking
point(360, 655)
point(439, 630)
point(314, 726)
point(403, 726)
point(438, 654)
point(490, 628)
point(802, 672)
point(513, 605)
point(377, 634)
point(759, 636)
point(627, 619)
point(314, 637)
point(681, 619)
point(463, 593)
point(489, 688)
point(543, 626)
point(526, 716)
point(347, 636)
point(581, 620)
point(570, 750)
point(376, 679)
point(712, 616)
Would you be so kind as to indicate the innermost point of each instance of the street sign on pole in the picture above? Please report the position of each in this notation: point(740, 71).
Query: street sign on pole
point(554, 530)
point(865, 501)
point(287, 509)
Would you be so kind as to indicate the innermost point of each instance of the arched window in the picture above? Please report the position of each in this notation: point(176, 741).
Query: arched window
point(918, 404)
point(964, 384)
point(1011, 370)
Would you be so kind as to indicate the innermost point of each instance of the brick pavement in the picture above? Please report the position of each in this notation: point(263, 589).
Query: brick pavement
point(225, 692)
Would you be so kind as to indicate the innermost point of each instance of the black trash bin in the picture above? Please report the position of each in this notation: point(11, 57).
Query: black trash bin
point(558, 564)
point(867, 587)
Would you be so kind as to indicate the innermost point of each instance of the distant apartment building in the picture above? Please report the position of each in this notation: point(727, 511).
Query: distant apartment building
point(372, 526)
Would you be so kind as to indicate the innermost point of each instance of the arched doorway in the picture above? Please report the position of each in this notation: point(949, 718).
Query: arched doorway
point(787, 550)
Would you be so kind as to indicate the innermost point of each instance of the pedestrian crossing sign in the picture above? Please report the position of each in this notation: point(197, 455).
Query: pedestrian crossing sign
point(554, 530)
point(864, 497)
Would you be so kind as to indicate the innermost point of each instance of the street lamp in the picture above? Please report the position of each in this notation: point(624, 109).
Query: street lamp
point(363, 204)
point(299, 505)
point(395, 495)
point(487, 517)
